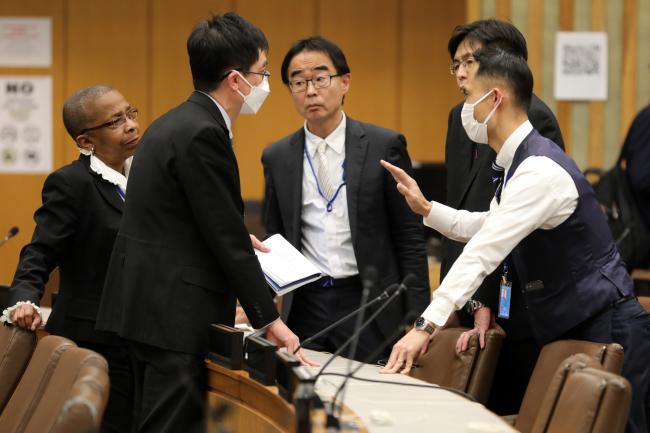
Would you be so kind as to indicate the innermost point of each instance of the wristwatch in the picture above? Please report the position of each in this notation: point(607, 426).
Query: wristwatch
point(425, 325)
point(473, 305)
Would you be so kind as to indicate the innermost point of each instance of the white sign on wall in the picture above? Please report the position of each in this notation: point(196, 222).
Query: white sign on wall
point(25, 42)
point(25, 124)
point(581, 66)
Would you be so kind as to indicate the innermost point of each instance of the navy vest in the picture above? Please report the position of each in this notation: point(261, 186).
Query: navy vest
point(574, 271)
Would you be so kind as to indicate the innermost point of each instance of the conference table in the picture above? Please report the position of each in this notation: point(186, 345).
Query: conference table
point(374, 403)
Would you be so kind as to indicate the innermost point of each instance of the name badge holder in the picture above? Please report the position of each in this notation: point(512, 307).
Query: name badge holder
point(329, 202)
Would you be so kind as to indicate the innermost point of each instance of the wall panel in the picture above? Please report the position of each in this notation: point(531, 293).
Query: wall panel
point(428, 90)
point(20, 194)
point(368, 32)
point(277, 117)
point(170, 79)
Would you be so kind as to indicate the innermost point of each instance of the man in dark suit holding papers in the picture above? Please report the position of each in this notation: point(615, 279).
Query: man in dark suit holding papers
point(327, 194)
point(183, 255)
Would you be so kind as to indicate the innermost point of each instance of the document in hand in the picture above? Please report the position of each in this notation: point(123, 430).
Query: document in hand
point(285, 268)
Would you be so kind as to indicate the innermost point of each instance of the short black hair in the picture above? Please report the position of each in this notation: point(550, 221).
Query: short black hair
point(320, 44)
point(512, 70)
point(490, 33)
point(77, 107)
point(220, 44)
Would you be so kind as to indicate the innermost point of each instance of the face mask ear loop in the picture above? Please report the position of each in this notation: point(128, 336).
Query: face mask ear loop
point(489, 116)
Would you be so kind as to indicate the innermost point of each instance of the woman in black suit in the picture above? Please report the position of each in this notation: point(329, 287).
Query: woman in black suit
point(75, 230)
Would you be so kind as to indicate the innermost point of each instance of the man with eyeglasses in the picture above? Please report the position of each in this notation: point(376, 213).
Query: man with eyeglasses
point(183, 255)
point(75, 231)
point(327, 194)
point(470, 187)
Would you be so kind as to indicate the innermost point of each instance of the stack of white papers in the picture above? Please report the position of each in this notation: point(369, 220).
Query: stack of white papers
point(284, 267)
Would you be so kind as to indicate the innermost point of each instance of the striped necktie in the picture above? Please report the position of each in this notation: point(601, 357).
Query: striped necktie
point(323, 171)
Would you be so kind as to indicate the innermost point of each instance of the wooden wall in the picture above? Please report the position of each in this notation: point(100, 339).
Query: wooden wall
point(396, 50)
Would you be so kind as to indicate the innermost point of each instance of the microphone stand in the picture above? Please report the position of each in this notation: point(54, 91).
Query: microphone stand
point(384, 295)
point(341, 389)
point(332, 421)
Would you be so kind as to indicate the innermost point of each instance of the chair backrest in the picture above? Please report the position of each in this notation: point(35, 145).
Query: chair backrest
point(584, 398)
point(480, 382)
point(645, 302)
point(471, 371)
point(75, 397)
point(610, 356)
point(16, 348)
point(33, 383)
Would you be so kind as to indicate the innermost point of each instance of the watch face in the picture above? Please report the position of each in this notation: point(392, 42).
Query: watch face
point(419, 322)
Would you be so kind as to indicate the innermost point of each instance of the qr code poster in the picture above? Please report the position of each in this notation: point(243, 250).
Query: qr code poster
point(581, 66)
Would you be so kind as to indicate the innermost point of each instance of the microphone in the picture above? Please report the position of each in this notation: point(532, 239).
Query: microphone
point(10, 234)
point(408, 280)
point(382, 296)
point(332, 421)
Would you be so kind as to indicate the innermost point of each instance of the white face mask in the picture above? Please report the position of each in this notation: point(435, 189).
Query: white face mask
point(254, 100)
point(476, 131)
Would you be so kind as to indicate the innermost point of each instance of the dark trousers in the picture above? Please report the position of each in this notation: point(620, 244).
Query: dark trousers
point(315, 307)
point(118, 415)
point(170, 390)
point(627, 324)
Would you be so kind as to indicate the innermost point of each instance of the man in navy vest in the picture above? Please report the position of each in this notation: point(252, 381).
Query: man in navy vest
point(544, 222)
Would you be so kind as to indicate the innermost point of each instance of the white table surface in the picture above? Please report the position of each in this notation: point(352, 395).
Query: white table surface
point(399, 408)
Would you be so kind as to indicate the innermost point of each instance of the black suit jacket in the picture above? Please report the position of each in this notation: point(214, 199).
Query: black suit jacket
point(75, 230)
point(183, 255)
point(469, 187)
point(385, 233)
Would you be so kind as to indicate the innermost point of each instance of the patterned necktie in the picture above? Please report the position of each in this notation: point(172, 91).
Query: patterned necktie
point(497, 179)
point(323, 171)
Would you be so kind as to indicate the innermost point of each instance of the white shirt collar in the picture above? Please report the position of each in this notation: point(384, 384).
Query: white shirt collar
point(223, 113)
point(110, 175)
point(507, 152)
point(335, 140)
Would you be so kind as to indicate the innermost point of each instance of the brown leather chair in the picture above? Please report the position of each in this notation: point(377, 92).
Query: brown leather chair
point(583, 398)
point(471, 371)
point(33, 383)
point(75, 397)
point(610, 356)
point(645, 301)
point(16, 348)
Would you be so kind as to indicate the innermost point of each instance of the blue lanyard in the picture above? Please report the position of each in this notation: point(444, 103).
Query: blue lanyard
point(120, 192)
point(330, 203)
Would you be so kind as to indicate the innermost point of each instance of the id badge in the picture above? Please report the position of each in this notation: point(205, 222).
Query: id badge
point(505, 294)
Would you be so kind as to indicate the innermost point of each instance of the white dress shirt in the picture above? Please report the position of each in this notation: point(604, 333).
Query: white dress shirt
point(223, 113)
point(539, 195)
point(326, 236)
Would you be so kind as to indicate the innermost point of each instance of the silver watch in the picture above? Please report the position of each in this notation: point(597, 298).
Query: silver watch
point(473, 305)
point(425, 325)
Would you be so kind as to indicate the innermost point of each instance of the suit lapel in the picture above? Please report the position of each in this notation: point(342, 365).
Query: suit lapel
point(356, 149)
point(293, 179)
point(481, 160)
point(208, 104)
point(106, 189)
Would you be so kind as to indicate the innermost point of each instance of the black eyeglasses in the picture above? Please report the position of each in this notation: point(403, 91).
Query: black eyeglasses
point(266, 74)
point(116, 122)
point(299, 85)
